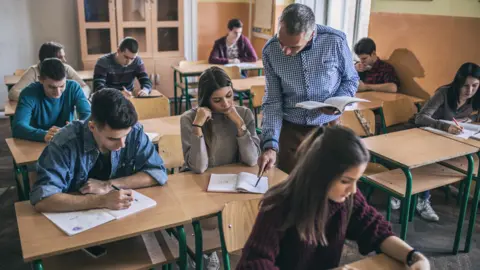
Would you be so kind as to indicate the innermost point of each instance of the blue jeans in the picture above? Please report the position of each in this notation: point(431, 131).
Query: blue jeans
point(425, 195)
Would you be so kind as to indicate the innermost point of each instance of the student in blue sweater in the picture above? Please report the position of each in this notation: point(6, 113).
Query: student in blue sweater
point(46, 106)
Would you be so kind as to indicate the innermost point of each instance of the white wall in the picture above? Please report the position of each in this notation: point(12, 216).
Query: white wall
point(26, 24)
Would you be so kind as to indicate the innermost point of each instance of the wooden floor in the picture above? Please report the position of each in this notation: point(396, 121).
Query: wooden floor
point(434, 239)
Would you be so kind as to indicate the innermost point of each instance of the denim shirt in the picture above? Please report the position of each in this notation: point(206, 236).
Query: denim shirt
point(65, 163)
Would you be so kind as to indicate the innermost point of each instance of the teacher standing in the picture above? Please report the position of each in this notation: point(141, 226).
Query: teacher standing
point(303, 61)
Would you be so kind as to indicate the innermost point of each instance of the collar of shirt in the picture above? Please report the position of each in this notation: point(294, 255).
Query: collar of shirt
point(89, 141)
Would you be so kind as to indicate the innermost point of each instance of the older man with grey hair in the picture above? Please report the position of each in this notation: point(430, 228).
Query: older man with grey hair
point(303, 61)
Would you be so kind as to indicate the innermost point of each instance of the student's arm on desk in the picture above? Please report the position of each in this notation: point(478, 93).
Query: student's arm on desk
point(21, 127)
point(424, 117)
point(27, 78)
point(383, 87)
point(349, 74)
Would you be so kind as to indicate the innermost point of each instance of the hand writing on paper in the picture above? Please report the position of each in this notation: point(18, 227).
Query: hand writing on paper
point(118, 199)
point(50, 133)
point(140, 93)
point(94, 186)
point(126, 93)
point(453, 129)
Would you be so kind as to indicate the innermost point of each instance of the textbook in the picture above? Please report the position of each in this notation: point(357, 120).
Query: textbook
point(338, 103)
point(79, 221)
point(242, 182)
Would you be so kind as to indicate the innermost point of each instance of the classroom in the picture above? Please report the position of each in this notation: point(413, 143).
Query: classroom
point(239, 134)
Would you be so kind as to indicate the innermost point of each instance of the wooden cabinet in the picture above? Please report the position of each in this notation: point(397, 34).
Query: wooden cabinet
point(157, 25)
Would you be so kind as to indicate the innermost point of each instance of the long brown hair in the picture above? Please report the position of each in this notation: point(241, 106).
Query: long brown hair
point(322, 157)
point(210, 81)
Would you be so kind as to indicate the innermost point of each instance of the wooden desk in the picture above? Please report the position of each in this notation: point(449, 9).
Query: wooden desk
point(25, 152)
point(377, 262)
point(196, 70)
point(40, 238)
point(10, 108)
point(191, 191)
point(241, 85)
point(416, 147)
point(382, 96)
point(169, 125)
point(11, 80)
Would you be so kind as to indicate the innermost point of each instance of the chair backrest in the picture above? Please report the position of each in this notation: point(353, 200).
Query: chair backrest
point(257, 92)
point(170, 149)
point(19, 72)
point(349, 119)
point(184, 63)
point(398, 111)
point(233, 72)
point(151, 107)
point(238, 218)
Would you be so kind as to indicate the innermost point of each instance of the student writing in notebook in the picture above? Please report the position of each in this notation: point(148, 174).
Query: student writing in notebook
point(31, 75)
point(458, 99)
point(48, 105)
point(96, 157)
point(217, 132)
point(304, 221)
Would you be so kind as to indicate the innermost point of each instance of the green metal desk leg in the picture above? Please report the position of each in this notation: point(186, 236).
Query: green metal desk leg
point(413, 206)
point(389, 208)
point(473, 212)
point(406, 203)
point(226, 257)
point(175, 105)
point(259, 72)
point(188, 105)
point(240, 98)
point(250, 102)
point(463, 206)
point(37, 265)
point(382, 120)
point(197, 228)
point(182, 240)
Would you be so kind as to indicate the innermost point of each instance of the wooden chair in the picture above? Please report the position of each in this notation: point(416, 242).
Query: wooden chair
point(397, 112)
point(19, 72)
point(257, 92)
point(191, 88)
point(232, 72)
point(237, 220)
point(170, 149)
point(141, 252)
point(151, 107)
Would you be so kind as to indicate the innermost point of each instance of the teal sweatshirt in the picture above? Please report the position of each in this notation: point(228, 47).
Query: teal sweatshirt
point(37, 113)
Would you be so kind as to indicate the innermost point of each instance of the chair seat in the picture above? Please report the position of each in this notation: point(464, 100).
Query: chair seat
point(210, 239)
point(461, 163)
point(374, 168)
point(424, 178)
point(140, 252)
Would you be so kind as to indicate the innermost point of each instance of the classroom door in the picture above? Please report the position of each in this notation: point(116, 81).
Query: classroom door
point(134, 20)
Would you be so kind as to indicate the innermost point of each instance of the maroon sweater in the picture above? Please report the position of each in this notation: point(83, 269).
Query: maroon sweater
point(246, 53)
point(270, 248)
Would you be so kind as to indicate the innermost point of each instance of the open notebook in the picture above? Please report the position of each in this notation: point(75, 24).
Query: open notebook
point(76, 222)
point(242, 182)
point(469, 130)
point(152, 135)
point(338, 103)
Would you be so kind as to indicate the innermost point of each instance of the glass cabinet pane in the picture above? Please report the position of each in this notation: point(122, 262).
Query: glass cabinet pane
point(98, 41)
point(167, 10)
point(167, 39)
point(140, 34)
point(134, 10)
point(96, 11)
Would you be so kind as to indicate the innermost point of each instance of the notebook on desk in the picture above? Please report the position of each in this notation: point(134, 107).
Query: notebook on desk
point(237, 183)
point(76, 222)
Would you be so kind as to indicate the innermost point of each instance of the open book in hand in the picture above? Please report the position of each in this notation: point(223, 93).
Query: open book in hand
point(242, 182)
point(338, 103)
point(79, 221)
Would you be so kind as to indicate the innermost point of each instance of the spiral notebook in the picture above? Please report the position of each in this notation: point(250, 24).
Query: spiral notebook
point(236, 183)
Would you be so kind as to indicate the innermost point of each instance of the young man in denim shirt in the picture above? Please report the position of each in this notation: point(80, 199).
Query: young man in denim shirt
point(108, 151)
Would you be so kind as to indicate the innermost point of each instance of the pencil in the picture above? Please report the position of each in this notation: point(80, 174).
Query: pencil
point(456, 123)
point(117, 188)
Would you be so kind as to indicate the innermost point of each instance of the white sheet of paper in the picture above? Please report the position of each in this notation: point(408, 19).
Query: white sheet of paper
point(140, 203)
point(471, 127)
point(464, 135)
point(247, 181)
point(76, 222)
point(222, 183)
point(242, 65)
point(151, 135)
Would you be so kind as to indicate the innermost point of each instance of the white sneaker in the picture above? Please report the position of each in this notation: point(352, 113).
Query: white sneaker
point(395, 203)
point(425, 210)
point(213, 262)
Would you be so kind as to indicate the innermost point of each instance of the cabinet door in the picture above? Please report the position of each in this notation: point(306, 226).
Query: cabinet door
point(97, 23)
point(164, 72)
point(167, 27)
point(134, 20)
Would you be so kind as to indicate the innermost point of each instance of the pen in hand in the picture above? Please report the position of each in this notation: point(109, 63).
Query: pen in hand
point(117, 188)
point(260, 175)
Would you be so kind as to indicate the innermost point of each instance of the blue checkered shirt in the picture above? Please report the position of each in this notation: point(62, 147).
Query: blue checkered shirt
point(322, 70)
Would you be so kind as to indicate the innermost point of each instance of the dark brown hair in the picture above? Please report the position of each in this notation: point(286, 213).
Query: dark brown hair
point(322, 157)
point(210, 81)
